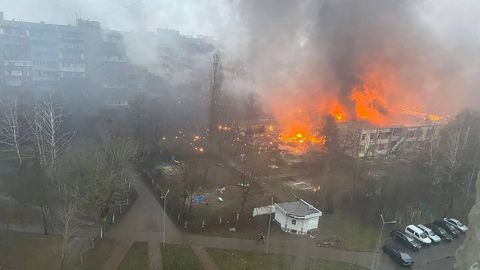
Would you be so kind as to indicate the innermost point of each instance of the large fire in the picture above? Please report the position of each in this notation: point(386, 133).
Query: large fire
point(373, 102)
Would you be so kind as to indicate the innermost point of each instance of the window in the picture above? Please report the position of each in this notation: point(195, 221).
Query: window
point(294, 222)
point(16, 73)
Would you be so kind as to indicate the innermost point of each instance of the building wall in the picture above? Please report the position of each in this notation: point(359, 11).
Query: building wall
point(50, 56)
point(39, 54)
point(301, 226)
point(377, 142)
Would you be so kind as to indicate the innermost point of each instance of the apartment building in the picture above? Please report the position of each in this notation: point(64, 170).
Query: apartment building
point(378, 142)
point(39, 54)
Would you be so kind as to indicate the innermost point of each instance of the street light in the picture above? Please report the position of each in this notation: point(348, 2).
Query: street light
point(269, 225)
point(164, 197)
point(377, 256)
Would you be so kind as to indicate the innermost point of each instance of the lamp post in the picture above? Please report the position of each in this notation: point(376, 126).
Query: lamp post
point(164, 197)
point(269, 225)
point(377, 256)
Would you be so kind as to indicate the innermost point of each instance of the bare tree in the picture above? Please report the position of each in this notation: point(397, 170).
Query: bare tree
point(467, 254)
point(248, 178)
point(458, 154)
point(107, 171)
point(349, 144)
point(12, 134)
point(50, 141)
point(137, 107)
point(66, 213)
point(332, 153)
point(216, 82)
point(185, 174)
point(48, 135)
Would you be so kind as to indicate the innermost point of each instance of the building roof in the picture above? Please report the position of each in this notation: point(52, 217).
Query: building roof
point(299, 208)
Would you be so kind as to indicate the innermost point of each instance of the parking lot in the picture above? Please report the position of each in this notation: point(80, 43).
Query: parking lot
point(434, 257)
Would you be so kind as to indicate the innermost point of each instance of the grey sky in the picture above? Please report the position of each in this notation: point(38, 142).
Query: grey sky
point(267, 33)
point(191, 16)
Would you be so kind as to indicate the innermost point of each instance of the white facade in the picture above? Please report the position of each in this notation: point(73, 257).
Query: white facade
point(297, 217)
point(384, 141)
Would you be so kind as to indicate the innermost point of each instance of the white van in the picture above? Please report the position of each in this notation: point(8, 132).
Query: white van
point(418, 234)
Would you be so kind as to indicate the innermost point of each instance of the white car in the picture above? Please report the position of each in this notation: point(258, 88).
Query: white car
point(418, 234)
point(435, 238)
point(457, 224)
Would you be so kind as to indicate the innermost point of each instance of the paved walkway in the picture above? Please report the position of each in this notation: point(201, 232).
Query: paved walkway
point(204, 257)
point(154, 255)
point(290, 247)
point(143, 222)
point(117, 254)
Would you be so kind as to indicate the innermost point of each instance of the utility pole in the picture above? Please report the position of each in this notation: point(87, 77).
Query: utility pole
point(164, 197)
point(379, 242)
point(269, 225)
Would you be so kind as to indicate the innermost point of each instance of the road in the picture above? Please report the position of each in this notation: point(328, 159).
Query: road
point(436, 257)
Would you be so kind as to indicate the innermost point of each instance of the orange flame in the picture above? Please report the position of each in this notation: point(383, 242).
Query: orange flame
point(370, 106)
point(338, 111)
point(379, 100)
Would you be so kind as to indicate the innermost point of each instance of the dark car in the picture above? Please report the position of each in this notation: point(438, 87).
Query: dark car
point(440, 232)
point(447, 227)
point(400, 257)
point(406, 240)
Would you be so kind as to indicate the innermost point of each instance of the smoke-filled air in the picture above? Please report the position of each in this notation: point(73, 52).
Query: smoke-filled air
point(239, 134)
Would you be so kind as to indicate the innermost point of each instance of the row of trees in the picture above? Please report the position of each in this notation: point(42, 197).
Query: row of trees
point(455, 157)
point(70, 179)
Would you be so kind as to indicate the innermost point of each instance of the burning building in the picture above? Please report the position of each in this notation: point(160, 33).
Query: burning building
point(386, 141)
point(365, 62)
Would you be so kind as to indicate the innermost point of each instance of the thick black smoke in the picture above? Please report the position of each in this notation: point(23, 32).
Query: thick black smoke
point(302, 51)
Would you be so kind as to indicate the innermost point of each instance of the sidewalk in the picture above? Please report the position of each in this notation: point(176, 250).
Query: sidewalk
point(205, 259)
point(116, 256)
point(154, 255)
point(293, 248)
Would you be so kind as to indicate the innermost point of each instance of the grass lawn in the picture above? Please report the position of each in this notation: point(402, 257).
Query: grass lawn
point(95, 258)
point(39, 252)
point(136, 258)
point(354, 233)
point(241, 260)
point(29, 251)
point(176, 257)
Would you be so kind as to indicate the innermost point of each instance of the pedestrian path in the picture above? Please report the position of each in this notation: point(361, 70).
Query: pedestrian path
point(154, 255)
point(205, 259)
point(117, 255)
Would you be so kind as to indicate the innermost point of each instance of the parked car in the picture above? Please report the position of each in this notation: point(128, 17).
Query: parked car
point(406, 240)
point(447, 227)
point(457, 224)
point(400, 257)
point(440, 232)
point(418, 234)
point(435, 238)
